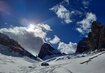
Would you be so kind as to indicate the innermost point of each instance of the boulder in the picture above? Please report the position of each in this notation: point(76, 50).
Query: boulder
point(44, 64)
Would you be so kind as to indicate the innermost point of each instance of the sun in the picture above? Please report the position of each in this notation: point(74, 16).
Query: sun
point(31, 27)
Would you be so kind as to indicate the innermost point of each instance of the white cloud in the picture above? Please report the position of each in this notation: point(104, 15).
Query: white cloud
point(67, 48)
point(85, 24)
point(55, 40)
point(39, 30)
point(79, 30)
point(30, 38)
point(62, 13)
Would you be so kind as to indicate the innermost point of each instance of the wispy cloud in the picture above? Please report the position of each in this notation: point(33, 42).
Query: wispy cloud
point(67, 12)
point(85, 24)
point(62, 13)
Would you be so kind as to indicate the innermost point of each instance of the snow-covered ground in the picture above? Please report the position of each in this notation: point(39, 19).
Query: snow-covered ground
point(90, 64)
point(10, 64)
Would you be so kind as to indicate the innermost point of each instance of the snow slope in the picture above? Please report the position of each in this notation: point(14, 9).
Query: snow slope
point(64, 64)
point(9, 63)
point(89, 64)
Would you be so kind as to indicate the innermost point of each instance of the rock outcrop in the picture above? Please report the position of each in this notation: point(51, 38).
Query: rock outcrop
point(95, 39)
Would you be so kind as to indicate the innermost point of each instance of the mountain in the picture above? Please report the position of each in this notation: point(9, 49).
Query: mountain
point(47, 51)
point(95, 40)
point(11, 47)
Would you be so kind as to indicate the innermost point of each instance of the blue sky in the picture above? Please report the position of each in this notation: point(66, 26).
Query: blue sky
point(18, 12)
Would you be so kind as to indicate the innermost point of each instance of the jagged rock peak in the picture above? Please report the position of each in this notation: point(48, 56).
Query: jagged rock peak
point(48, 50)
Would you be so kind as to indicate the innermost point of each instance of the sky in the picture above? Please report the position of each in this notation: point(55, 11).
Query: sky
point(62, 23)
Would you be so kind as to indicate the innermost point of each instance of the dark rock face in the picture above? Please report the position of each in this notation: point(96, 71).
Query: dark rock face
point(95, 39)
point(47, 50)
point(13, 48)
point(10, 43)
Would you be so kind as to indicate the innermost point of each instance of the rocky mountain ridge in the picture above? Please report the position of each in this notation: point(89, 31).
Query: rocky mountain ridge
point(12, 47)
point(95, 40)
point(47, 51)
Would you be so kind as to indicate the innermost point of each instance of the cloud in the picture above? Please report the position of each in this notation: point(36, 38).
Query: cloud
point(30, 38)
point(68, 12)
point(63, 47)
point(62, 13)
point(39, 30)
point(67, 48)
point(79, 30)
point(55, 40)
point(85, 24)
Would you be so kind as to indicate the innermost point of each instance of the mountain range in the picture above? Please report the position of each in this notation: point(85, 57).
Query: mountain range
point(89, 57)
